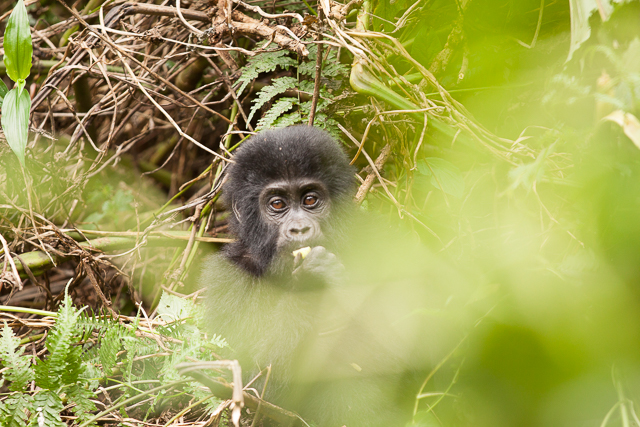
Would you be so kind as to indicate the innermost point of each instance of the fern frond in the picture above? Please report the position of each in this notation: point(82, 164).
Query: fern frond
point(331, 67)
point(91, 375)
point(199, 393)
point(131, 346)
point(217, 341)
point(279, 107)
point(306, 86)
point(73, 366)
point(83, 405)
point(18, 367)
point(277, 86)
point(110, 345)
point(90, 321)
point(63, 364)
point(45, 409)
point(328, 124)
point(263, 63)
point(13, 410)
point(287, 120)
point(137, 347)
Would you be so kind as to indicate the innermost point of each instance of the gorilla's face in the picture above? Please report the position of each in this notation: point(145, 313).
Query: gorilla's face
point(297, 207)
point(288, 189)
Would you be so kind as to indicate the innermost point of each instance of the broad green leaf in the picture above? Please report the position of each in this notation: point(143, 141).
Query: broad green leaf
point(15, 121)
point(3, 91)
point(444, 175)
point(17, 44)
point(172, 308)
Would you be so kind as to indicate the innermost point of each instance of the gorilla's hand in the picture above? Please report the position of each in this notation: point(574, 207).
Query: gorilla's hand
point(319, 268)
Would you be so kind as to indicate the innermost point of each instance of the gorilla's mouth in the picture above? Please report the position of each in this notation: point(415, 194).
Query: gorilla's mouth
point(290, 246)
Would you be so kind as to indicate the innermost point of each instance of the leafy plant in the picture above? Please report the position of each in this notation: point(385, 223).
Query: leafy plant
point(277, 86)
point(17, 59)
point(87, 350)
point(279, 114)
point(264, 63)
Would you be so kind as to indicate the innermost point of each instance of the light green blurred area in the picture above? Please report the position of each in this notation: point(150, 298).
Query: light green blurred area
point(546, 251)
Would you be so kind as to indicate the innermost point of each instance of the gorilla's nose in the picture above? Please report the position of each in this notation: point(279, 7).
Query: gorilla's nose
point(299, 230)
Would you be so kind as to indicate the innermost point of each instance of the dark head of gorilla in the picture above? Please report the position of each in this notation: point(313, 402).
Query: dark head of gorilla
point(289, 189)
point(285, 190)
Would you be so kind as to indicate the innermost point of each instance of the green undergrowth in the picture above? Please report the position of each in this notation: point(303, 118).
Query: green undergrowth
point(91, 357)
point(282, 108)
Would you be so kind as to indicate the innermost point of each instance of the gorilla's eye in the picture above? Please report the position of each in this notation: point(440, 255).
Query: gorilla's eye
point(310, 200)
point(277, 204)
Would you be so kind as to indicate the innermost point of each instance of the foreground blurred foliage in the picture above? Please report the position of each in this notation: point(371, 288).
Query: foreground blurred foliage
point(532, 196)
point(554, 239)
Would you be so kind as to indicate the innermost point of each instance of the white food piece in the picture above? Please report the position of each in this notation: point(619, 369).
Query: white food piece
point(303, 252)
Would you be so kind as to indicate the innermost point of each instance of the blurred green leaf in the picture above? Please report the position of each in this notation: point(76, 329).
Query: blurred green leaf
point(172, 308)
point(581, 11)
point(579, 263)
point(15, 121)
point(444, 175)
point(630, 62)
point(428, 47)
point(17, 44)
point(3, 90)
point(527, 174)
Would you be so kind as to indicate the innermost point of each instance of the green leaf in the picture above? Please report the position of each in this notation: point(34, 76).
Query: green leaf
point(17, 367)
point(279, 107)
point(110, 345)
point(63, 364)
point(3, 91)
point(264, 63)
point(277, 86)
point(172, 308)
point(17, 44)
point(331, 67)
point(13, 411)
point(444, 175)
point(330, 125)
point(84, 407)
point(287, 120)
point(581, 11)
point(46, 410)
point(15, 121)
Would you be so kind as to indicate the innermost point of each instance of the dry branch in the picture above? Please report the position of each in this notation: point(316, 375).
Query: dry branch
point(38, 261)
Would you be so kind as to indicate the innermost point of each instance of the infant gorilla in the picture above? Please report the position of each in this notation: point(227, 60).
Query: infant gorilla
point(289, 189)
